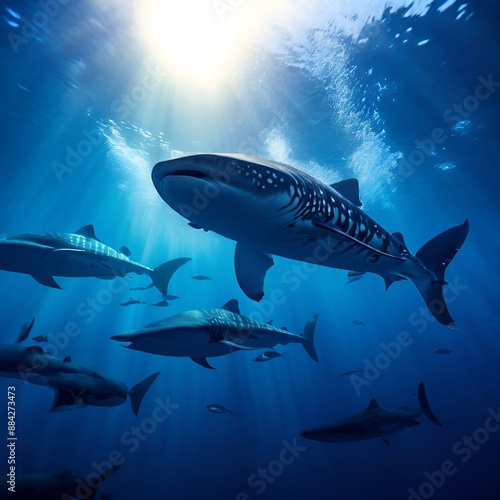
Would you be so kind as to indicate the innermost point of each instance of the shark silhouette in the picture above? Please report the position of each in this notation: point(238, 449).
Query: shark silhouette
point(272, 208)
point(374, 422)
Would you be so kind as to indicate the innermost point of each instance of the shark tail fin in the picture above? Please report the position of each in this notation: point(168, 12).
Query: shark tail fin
point(426, 407)
point(162, 274)
point(138, 392)
point(309, 337)
point(436, 255)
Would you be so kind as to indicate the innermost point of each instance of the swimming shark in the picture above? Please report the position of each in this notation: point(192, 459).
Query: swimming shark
point(270, 208)
point(374, 422)
point(205, 333)
point(63, 485)
point(79, 254)
point(75, 385)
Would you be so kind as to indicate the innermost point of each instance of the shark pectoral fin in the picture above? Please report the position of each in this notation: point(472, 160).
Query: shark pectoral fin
point(349, 189)
point(25, 331)
point(46, 280)
point(63, 400)
point(203, 362)
point(163, 273)
point(426, 407)
point(251, 266)
point(139, 390)
point(233, 345)
point(87, 231)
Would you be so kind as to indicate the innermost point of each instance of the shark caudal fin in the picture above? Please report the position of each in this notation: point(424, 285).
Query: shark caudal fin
point(425, 406)
point(138, 392)
point(162, 274)
point(436, 255)
point(308, 334)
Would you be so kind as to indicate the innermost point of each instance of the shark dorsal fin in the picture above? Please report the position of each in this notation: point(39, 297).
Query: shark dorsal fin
point(232, 306)
point(373, 405)
point(399, 236)
point(348, 189)
point(67, 359)
point(125, 251)
point(87, 231)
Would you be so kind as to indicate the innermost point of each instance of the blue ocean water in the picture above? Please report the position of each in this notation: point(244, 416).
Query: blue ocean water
point(404, 96)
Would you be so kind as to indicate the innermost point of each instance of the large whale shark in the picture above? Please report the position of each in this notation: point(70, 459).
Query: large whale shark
point(205, 333)
point(75, 385)
point(272, 208)
point(79, 254)
point(374, 422)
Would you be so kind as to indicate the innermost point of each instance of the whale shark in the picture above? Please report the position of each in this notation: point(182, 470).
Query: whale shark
point(79, 254)
point(374, 422)
point(75, 385)
point(270, 208)
point(205, 333)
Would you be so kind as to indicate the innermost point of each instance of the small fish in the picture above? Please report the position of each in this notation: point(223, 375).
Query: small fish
point(139, 288)
point(201, 277)
point(360, 323)
point(350, 372)
point(131, 302)
point(441, 350)
point(40, 338)
point(268, 355)
point(215, 408)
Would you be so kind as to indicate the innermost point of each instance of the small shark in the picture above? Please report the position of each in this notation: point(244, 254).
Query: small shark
point(216, 408)
point(201, 277)
point(374, 422)
point(55, 486)
point(272, 208)
point(350, 372)
point(205, 333)
point(75, 385)
point(79, 254)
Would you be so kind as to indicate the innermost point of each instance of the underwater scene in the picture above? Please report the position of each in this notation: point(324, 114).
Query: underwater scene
point(249, 249)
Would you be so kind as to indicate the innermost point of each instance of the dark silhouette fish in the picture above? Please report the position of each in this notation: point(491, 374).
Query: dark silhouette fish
point(41, 338)
point(268, 356)
point(350, 372)
point(131, 302)
point(270, 208)
point(359, 323)
point(216, 408)
point(201, 277)
point(442, 350)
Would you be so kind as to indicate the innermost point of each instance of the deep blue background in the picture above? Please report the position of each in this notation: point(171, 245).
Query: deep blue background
point(333, 106)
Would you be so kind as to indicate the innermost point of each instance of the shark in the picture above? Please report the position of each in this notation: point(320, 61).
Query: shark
point(374, 422)
point(270, 208)
point(75, 385)
point(78, 254)
point(62, 485)
point(203, 333)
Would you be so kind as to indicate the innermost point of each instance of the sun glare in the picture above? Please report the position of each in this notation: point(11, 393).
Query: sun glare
point(202, 39)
